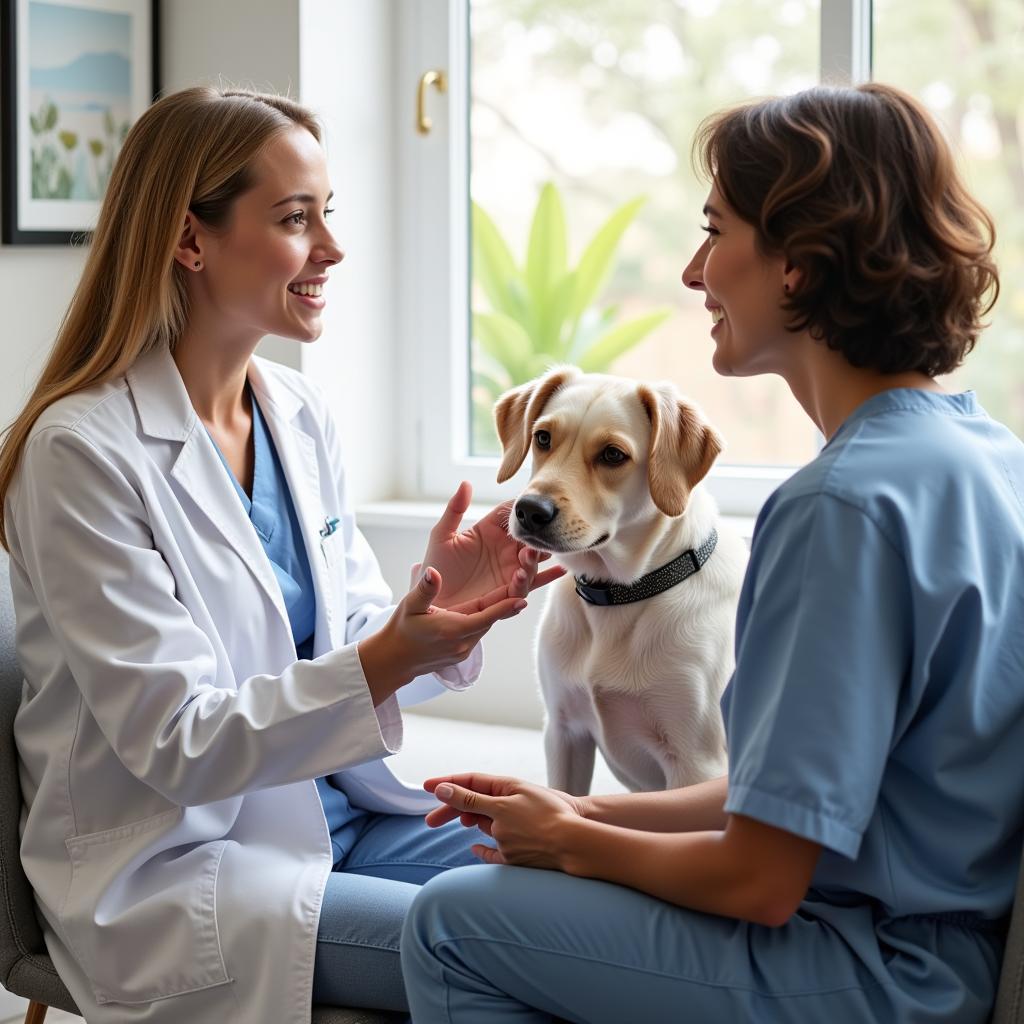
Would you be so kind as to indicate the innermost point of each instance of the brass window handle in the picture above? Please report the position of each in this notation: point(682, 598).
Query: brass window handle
point(439, 80)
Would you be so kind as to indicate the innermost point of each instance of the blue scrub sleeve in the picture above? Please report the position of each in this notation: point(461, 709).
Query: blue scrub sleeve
point(824, 644)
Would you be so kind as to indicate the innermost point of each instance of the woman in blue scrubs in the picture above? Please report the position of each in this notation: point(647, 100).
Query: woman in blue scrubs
point(859, 862)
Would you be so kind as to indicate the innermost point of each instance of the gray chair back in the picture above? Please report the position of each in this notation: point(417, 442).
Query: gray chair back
point(25, 967)
point(1010, 1000)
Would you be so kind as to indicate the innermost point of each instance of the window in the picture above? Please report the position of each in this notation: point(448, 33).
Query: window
point(962, 59)
point(600, 99)
point(581, 120)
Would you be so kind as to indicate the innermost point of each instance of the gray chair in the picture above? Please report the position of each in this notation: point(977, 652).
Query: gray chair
point(25, 966)
point(1010, 1000)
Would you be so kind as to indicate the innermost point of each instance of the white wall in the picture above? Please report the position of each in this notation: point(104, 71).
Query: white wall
point(36, 285)
point(337, 58)
point(340, 59)
point(347, 72)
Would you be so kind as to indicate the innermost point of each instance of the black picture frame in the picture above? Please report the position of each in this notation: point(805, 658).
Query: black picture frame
point(20, 221)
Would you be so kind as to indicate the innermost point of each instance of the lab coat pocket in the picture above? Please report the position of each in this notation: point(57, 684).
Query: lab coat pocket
point(331, 548)
point(141, 917)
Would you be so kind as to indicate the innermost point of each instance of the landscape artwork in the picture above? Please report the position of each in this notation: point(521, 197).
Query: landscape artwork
point(83, 72)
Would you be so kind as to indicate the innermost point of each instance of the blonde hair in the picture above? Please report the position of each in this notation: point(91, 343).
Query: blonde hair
point(192, 150)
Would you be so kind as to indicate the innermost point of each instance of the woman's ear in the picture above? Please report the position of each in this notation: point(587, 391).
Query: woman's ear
point(792, 278)
point(188, 251)
point(682, 448)
point(516, 412)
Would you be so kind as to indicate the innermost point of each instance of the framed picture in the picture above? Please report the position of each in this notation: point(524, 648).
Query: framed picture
point(76, 75)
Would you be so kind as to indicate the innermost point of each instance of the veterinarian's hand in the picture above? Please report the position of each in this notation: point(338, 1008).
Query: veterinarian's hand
point(421, 637)
point(527, 822)
point(484, 563)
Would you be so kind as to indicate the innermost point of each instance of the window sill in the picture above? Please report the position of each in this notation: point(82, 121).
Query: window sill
point(412, 515)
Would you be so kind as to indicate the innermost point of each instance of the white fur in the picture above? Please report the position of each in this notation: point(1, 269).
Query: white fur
point(640, 681)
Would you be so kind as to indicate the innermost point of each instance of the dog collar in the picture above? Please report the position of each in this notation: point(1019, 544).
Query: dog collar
point(657, 582)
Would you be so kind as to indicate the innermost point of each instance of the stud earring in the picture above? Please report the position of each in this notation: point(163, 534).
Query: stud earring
point(198, 264)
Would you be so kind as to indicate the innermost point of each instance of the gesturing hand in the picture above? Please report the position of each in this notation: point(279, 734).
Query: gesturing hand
point(484, 563)
point(528, 822)
point(420, 637)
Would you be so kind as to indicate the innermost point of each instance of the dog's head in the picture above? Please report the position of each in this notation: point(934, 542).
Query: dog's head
point(607, 453)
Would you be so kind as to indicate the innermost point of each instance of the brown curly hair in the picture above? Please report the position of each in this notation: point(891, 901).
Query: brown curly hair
point(858, 189)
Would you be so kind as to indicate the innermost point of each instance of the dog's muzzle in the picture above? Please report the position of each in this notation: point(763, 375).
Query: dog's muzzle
point(535, 513)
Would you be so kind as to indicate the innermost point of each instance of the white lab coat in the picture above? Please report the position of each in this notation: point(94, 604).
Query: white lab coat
point(176, 845)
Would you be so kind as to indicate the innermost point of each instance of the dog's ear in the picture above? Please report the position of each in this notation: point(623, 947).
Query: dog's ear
point(516, 412)
point(683, 447)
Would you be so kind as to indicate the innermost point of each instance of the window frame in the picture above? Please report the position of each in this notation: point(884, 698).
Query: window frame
point(434, 262)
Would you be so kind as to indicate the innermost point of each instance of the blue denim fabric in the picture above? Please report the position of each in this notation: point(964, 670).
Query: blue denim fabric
point(365, 903)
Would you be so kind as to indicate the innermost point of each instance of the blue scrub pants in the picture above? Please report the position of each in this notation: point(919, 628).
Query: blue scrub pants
point(365, 903)
point(496, 945)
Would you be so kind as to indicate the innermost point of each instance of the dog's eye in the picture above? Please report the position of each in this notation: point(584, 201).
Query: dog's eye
point(543, 439)
point(613, 456)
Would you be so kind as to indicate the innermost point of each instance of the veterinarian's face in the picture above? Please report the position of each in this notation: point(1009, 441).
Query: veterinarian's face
point(589, 478)
point(744, 290)
point(264, 273)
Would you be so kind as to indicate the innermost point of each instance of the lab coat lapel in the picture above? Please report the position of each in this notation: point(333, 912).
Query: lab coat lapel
point(297, 452)
point(200, 472)
point(166, 411)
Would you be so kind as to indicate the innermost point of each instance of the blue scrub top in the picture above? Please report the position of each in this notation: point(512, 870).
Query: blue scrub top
point(877, 706)
point(272, 514)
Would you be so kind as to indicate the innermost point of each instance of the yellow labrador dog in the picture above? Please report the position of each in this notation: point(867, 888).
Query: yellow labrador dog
point(636, 642)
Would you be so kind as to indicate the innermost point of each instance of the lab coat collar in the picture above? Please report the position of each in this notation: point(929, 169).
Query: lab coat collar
point(285, 403)
point(164, 408)
point(165, 411)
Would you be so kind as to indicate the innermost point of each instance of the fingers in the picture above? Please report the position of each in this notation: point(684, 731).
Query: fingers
point(519, 585)
point(468, 624)
point(480, 782)
point(480, 622)
point(488, 854)
point(528, 558)
point(542, 579)
point(451, 518)
point(464, 799)
point(536, 554)
point(441, 816)
point(479, 820)
point(478, 604)
point(422, 596)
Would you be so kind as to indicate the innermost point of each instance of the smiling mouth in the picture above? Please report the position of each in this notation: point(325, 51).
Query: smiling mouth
point(313, 301)
point(717, 316)
point(314, 290)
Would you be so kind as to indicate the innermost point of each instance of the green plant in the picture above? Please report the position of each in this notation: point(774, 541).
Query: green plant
point(50, 180)
point(544, 312)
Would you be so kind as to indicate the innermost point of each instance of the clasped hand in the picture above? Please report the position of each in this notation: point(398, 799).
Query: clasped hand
point(530, 824)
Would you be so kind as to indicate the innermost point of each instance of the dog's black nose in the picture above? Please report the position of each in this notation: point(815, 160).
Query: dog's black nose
point(535, 511)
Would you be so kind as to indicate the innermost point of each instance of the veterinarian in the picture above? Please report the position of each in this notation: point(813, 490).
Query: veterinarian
point(202, 628)
point(859, 862)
